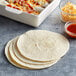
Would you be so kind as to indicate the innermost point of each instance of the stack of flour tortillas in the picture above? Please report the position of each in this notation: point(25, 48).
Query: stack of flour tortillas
point(36, 49)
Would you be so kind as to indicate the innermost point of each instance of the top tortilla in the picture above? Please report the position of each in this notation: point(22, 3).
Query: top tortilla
point(41, 45)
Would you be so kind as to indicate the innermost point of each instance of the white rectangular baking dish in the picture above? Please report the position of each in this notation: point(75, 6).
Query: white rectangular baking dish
point(33, 20)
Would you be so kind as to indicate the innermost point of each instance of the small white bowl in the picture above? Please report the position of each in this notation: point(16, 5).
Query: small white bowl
point(73, 35)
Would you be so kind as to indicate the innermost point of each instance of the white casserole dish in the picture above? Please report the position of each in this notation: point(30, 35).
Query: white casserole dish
point(33, 20)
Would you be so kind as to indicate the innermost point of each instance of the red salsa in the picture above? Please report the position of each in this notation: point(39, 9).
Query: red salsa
point(72, 28)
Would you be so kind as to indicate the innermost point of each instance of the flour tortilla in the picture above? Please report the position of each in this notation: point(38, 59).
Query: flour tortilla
point(9, 57)
point(42, 45)
point(18, 55)
point(29, 66)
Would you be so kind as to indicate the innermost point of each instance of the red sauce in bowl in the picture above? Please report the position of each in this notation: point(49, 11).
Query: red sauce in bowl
point(71, 30)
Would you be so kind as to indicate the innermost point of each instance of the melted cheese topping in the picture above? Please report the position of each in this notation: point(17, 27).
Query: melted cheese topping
point(28, 5)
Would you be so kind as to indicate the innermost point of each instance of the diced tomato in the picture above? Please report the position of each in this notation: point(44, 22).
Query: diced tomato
point(21, 3)
point(9, 5)
point(16, 7)
point(30, 6)
point(37, 3)
point(30, 11)
point(14, 1)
